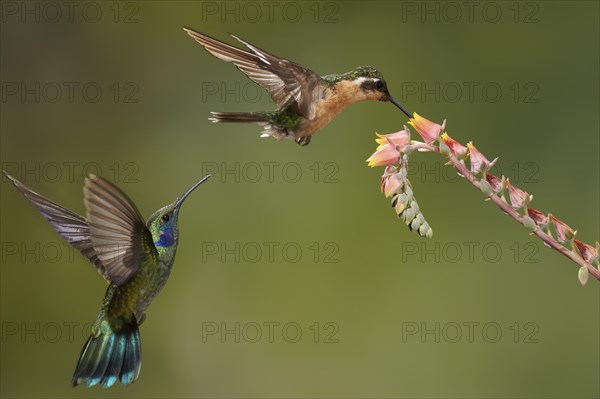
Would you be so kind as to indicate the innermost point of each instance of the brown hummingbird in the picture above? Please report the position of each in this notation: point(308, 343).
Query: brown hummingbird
point(307, 101)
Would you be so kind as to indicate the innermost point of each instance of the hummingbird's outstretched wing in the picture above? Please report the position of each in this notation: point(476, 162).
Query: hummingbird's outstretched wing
point(118, 233)
point(72, 227)
point(282, 79)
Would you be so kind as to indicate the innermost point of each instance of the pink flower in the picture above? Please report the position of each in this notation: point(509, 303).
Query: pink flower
point(400, 139)
point(389, 146)
point(518, 197)
point(428, 130)
point(495, 182)
point(386, 154)
point(390, 169)
point(391, 185)
point(456, 148)
point(478, 160)
point(537, 216)
point(563, 231)
point(587, 251)
point(390, 181)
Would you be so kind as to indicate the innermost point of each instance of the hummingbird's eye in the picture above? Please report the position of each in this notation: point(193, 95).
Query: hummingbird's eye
point(166, 217)
point(379, 85)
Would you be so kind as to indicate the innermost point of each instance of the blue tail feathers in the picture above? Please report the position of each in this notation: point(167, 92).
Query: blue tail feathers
point(110, 356)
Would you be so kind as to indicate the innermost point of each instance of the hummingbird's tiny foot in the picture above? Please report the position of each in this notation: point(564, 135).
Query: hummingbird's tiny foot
point(303, 141)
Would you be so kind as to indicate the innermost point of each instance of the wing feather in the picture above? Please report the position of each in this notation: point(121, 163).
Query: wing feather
point(282, 79)
point(118, 233)
point(72, 227)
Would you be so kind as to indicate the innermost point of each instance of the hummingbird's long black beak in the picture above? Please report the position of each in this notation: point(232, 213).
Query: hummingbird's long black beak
point(189, 191)
point(397, 104)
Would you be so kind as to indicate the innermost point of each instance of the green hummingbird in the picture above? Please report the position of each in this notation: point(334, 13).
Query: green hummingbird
point(307, 101)
point(135, 258)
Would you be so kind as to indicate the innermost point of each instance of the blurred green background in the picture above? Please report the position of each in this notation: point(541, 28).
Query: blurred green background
point(371, 286)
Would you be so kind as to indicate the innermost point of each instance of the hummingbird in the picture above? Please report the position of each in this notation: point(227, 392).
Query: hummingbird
point(134, 257)
point(307, 101)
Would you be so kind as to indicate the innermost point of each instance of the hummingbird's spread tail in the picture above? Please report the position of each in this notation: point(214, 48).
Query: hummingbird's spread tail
point(261, 118)
point(110, 356)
